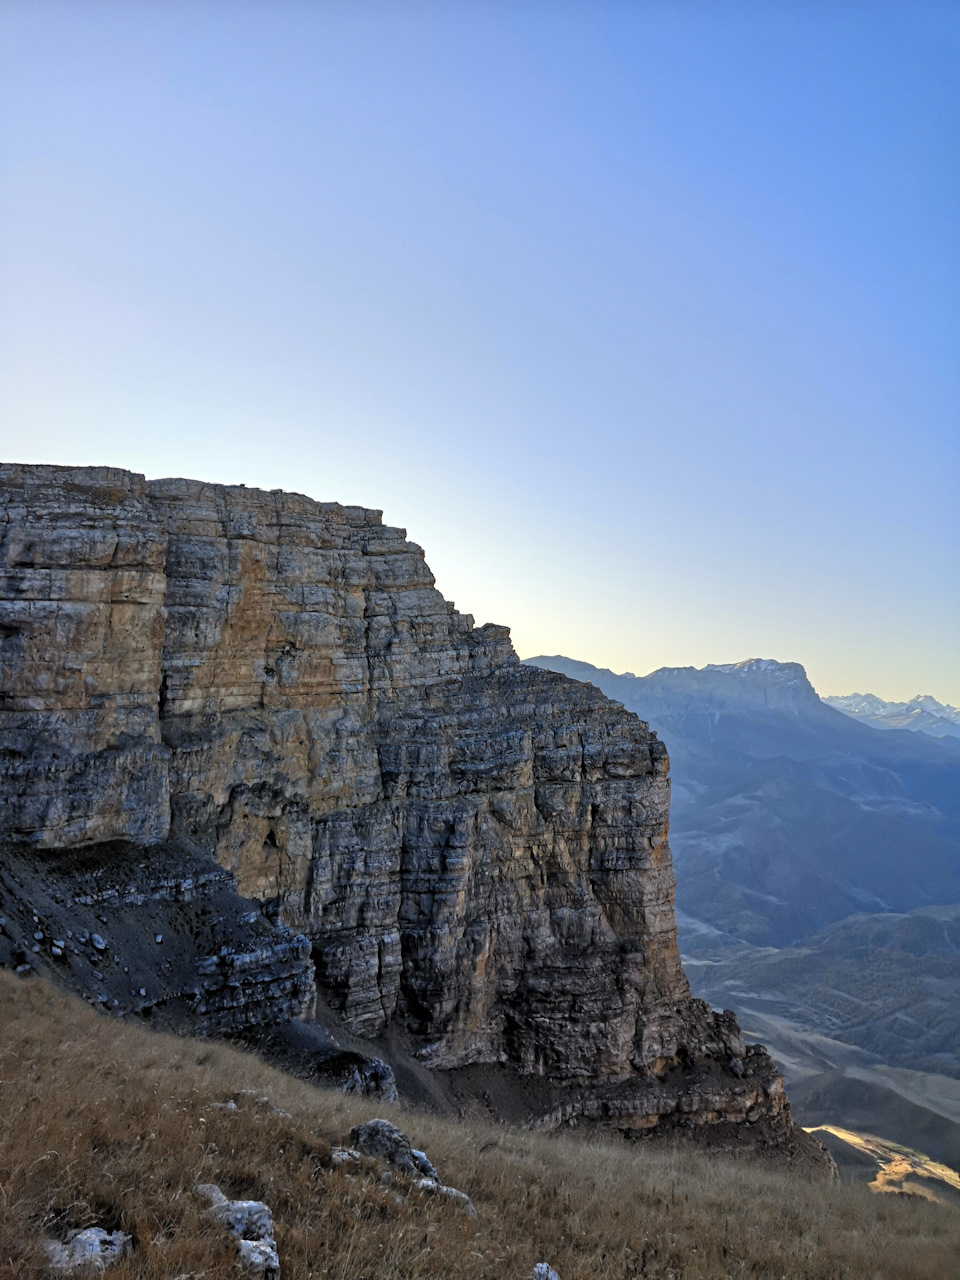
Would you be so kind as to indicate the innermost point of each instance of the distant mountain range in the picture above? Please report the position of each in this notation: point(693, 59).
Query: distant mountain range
point(922, 714)
point(818, 872)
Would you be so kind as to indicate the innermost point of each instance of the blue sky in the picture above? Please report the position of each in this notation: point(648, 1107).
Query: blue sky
point(642, 318)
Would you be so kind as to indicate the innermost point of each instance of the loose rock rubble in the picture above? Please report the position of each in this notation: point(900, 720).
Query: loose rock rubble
point(344, 1155)
point(90, 1249)
point(250, 1222)
point(449, 1193)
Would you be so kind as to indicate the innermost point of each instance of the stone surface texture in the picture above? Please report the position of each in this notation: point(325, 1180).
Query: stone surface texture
point(89, 1251)
point(157, 931)
point(250, 1222)
point(476, 851)
point(380, 1140)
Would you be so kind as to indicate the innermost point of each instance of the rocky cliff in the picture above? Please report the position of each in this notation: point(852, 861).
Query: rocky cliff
point(266, 697)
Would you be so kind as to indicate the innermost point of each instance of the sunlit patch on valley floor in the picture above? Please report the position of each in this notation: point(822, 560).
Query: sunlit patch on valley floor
point(899, 1169)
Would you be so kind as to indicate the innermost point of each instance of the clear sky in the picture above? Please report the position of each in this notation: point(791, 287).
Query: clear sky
point(642, 318)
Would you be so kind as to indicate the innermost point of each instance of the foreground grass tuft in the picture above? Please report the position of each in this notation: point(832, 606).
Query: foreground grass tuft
point(106, 1123)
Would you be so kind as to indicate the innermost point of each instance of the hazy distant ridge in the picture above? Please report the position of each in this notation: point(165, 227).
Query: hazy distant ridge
point(922, 714)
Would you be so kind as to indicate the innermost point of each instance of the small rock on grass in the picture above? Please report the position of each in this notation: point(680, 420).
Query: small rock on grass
point(88, 1249)
point(383, 1140)
point(244, 1219)
point(543, 1271)
point(259, 1259)
point(344, 1155)
point(250, 1222)
point(449, 1193)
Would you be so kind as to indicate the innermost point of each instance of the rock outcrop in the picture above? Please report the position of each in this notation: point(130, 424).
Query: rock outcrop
point(250, 1223)
point(380, 1140)
point(272, 687)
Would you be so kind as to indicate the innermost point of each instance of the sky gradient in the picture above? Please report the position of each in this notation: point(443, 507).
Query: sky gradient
point(642, 318)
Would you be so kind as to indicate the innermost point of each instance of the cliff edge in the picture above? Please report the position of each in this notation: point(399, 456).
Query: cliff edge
point(251, 720)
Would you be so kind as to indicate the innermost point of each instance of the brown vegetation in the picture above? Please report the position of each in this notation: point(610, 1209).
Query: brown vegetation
point(106, 1123)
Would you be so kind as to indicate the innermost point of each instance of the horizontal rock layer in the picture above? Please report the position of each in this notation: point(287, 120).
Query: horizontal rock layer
point(476, 850)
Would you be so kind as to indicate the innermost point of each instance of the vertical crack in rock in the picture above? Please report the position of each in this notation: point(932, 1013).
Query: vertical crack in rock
point(473, 851)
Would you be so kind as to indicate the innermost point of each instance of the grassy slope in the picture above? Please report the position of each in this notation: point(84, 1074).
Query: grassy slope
point(105, 1122)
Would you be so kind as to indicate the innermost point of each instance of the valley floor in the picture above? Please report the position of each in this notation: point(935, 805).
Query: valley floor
point(888, 1166)
point(104, 1122)
point(832, 1081)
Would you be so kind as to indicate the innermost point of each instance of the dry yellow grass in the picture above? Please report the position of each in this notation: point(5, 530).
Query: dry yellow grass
point(106, 1123)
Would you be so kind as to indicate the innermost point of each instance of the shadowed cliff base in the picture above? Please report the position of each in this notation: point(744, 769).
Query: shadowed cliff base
point(247, 723)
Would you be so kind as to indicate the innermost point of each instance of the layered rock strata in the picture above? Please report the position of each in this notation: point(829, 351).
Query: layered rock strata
point(475, 850)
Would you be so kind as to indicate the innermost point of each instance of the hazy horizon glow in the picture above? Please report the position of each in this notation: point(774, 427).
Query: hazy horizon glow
point(642, 319)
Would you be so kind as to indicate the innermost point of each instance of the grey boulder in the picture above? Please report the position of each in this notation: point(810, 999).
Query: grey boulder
point(250, 1222)
point(259, 1259)
point(92, 1248)
point(382, 1140)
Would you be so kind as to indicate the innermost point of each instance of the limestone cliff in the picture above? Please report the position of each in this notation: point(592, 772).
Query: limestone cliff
point(474, 851)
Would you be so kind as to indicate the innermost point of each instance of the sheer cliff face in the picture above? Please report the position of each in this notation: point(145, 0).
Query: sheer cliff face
point(81, 639)
point(475, 849)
